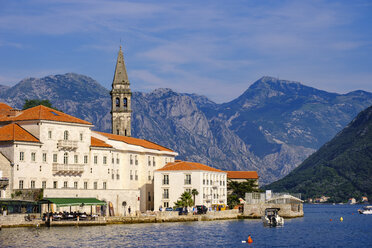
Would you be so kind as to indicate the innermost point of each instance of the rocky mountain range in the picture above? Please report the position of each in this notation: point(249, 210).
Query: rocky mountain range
point(272, 127)
point(340, 169)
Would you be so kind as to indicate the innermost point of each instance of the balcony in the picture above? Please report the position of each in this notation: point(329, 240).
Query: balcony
point(215, 184)
point(4, 182)
point(68, 145)
point(68, 169)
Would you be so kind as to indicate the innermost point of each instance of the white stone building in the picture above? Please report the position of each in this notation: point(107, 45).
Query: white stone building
point(42, 148)
point(180, 176)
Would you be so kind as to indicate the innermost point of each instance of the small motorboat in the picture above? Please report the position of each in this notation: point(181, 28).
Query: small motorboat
point(365, 210)
point(272, 218)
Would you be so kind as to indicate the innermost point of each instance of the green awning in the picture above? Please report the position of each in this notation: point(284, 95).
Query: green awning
point(62, 202)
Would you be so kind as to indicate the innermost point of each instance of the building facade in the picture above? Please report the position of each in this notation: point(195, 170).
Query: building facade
point(42, 148)
point(180, 176)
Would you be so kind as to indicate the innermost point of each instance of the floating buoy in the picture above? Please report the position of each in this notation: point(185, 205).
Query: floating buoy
point(250, 239)
point(341, 219)
point(330, 219)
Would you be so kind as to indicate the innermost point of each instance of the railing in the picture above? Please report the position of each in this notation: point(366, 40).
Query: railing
point(73, 169)
point(67, 144)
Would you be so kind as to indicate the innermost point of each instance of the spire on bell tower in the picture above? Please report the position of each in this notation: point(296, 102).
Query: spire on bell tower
point(121, 111)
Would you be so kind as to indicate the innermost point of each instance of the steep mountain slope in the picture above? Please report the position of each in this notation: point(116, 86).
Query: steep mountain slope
point(342, 168)
point(271, 128)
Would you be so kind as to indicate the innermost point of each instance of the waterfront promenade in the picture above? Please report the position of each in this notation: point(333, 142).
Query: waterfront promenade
point(19, 220)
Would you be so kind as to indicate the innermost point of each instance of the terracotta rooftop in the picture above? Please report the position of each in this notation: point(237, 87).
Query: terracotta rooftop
point(98, 143)
point(242, 174)
point(13, 132)
point(43, 113)
point(190, 166)
point(135, 141)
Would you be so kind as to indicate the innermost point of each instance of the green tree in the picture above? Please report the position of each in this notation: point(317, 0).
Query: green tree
point(36, 102)
point(185, 200)
point(237, 190)
point(194, 193)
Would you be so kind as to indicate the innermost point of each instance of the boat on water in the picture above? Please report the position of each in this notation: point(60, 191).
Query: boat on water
point(272, 218)
point(365, 210)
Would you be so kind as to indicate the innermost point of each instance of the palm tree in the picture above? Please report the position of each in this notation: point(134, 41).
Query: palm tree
point(185, 200)
point(194, 193)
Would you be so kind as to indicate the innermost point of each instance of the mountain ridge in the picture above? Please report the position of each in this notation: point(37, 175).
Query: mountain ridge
point(270, 129)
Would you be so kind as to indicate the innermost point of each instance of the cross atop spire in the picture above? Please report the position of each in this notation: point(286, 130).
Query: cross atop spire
point(120, 76)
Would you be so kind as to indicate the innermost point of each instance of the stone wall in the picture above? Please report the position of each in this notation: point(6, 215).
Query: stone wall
point(286, 210)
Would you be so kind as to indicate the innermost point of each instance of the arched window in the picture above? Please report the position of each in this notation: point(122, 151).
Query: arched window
point(125, 102)
point(65, 135)
point(117, 102)
point(65, 158)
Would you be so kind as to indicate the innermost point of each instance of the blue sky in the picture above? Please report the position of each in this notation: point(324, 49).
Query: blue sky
point(213, 48)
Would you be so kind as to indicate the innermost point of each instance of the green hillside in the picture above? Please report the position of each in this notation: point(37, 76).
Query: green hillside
point(340, 169)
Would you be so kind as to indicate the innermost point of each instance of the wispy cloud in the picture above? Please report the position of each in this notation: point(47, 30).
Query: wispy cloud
point(215, 48)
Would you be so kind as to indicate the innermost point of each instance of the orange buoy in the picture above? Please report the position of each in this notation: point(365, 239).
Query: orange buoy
point(330, 219)
point(250, 239)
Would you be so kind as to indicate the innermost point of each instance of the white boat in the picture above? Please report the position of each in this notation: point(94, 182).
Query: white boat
point(272, 218)
point(365, 210)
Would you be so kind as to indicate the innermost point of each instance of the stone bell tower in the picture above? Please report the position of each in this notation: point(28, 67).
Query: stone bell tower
point(121, 111)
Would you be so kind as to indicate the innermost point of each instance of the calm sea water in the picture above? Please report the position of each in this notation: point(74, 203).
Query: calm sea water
point(313, 230)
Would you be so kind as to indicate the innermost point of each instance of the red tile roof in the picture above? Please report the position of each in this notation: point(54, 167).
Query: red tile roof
point(4, 106)
point(184, 165)
point(98, 143)
point(135, 141)
point(43, 113)
point(13, 132)
point(242, 174)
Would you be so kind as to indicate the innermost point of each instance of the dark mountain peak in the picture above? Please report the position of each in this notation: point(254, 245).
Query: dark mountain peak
point(341, 169)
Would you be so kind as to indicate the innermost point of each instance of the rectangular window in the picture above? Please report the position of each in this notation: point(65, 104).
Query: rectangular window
point(20, 184)
point(153, 161)
point(149, 196)
point(104, 185)
point(76, 159)
point(54, 158)
point(65, 184)
point(165, 179)
point(149, 161)
point(117, 161)
point(136, 176)
point(85, 159)
point(112, 176)
point(131, 175)
point(32, 184)
point(95, 159)
point(166, 204)
point(95, 185)
point(81, 136)
point(55, 184)
point(136, 160)
point(49, 134)
point(113, 161)
point(149, 176)
point(21, 156)
point(85, 185)
point(33, 156)
point(44, 157)
point(166, 194)
point(203, 181)
point(104, 160)
point(75, 185)
point(187, 179)
point(131, 160)
point(43, 184)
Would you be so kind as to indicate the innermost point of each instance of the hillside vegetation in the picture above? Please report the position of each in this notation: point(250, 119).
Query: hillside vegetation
point(340, 169)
